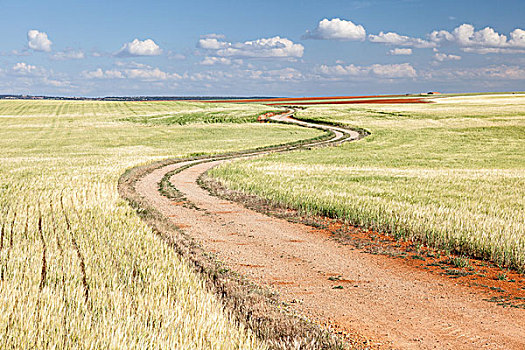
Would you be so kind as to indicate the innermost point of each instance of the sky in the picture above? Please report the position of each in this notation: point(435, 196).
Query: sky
point(260, 48)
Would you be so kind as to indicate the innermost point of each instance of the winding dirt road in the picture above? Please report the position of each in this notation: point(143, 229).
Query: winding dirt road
point(392, 304)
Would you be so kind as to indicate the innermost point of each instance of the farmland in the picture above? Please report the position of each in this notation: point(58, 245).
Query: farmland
point(78, 268)
point(449, 174)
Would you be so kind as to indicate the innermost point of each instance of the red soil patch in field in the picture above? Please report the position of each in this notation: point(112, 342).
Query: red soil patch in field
point(379, 100)
point(298, 99)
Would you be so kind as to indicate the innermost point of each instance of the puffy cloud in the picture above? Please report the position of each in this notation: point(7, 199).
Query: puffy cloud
point(210, 61)
point(398, 51)
point(517, 38)
point(212, 44)
point(103, 74)
point(275, 47)
point(140, 48)
point(483, 41)
point(143, 73)
point(68, 55)
point(444, 57)
point(467, 36)
point(392, 38)
point(438, 36)
point(22, 68)
point(403, 70)
point(337, 29)
point(38, 41)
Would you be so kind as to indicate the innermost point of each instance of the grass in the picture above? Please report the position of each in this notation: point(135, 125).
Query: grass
point(449, 174)
point(78, 268)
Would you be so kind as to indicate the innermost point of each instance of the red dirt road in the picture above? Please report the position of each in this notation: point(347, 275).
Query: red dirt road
point(375, 297)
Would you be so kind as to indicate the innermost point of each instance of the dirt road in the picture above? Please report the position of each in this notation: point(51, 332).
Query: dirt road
point(370, 295)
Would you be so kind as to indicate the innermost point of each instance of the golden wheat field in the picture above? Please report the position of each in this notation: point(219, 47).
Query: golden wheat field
point(78, 269)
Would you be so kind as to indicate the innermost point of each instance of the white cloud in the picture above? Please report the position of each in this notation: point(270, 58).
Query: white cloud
point(210, 61)
point(487, 50)
point(501, 72)
point(288, 74)
point(22, 68)
point(150, 74)
point(275, 47)
point(285, 74)
point(68, 55)
point(444, 57)
point(337, 29)
point(483, 41)
point(212, 44)
point(398, 51)
point(517, 38)
point(491, 73)
point(38, 41)
point(403, 70)
point(438, 36)
point(103, 74)
point(20, 53)
point(339, 70)
point(143, 73)
point(140, 48)
point(392, 38)
point(31, 75)
point(56, 83)
point(466, 35)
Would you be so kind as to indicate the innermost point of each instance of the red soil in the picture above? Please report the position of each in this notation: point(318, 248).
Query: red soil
point(299, 99)
point(381, 100)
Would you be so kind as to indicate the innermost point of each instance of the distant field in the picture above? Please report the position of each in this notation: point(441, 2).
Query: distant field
point(450, 174)
point(77, 266)
point(154, 112)
point(304, 101)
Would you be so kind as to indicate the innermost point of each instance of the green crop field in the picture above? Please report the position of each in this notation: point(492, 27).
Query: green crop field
point(78, 269)
point(450, 174)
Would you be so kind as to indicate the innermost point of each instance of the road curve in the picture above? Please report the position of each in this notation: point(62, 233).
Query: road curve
point(393, 304)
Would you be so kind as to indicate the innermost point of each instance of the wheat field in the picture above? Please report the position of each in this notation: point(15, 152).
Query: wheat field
point(78, 269)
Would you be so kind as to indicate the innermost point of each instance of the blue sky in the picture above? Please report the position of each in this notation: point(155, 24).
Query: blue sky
point(273, 48)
